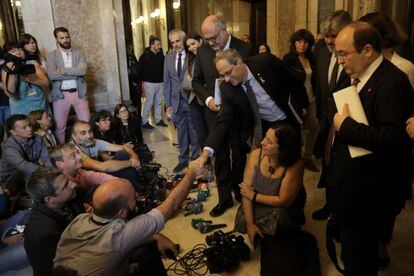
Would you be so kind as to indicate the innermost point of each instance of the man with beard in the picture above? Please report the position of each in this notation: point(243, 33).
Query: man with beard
point(102, 243)
point(176, 103)
point(55, 205)
point(66, 68)
point(123, 163)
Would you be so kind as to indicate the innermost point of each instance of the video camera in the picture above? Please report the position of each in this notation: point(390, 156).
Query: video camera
point(226, 251)
point(19, 67)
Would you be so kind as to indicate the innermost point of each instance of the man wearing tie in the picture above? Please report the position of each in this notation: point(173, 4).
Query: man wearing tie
point(176, 103)
point(228, 171)
point(256, 93)
point(363, 191)
point(329, 77)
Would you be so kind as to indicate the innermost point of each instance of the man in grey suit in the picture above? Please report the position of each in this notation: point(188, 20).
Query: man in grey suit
point(66, 68)
point(176, 102)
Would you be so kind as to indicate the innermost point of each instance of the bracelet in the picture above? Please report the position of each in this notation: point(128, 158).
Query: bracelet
point(254, 197)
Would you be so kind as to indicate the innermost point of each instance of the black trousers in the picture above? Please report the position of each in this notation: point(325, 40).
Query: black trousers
point(148, 259)
point(360, 245)
point(135, 96)
point(230, 161)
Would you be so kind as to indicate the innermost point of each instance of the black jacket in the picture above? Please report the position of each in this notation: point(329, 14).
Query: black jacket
point(205, 72)
point(379, 182)
point(42, 234)
point(296, 69)
point(151, 66)
point(275, 79)
point(131, 133)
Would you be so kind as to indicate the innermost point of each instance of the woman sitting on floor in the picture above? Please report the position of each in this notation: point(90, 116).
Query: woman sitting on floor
point(273, 201)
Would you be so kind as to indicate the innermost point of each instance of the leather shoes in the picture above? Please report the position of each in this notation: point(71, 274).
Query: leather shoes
point(221, 208)
point(322, 213)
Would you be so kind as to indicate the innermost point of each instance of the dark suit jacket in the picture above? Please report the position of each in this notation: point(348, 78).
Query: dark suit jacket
point(296, 69)
point(378, 182)
point(205, 72)
point(322, 92)
point(275, 79)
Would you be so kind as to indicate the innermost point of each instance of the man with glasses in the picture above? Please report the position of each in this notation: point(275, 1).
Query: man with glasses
point(205, 83)
point(362, 191)
point(329, 77)
point(256, 93)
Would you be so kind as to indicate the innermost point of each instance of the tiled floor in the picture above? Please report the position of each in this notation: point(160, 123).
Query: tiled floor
point(180, 231)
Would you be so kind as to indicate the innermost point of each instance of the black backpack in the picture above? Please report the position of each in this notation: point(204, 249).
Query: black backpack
point(292, 253)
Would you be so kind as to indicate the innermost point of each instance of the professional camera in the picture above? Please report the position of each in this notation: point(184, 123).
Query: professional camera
point(19, 67)
point(225, 252)
point(152, 185)
point(146, 156)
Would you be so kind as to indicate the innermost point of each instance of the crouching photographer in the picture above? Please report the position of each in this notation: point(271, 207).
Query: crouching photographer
point(101, 243)
point(23, 80)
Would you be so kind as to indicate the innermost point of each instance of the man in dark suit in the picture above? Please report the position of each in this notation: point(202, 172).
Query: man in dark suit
point(362, 191)
point(204, 84)
point(329, 77)
point(256, 94)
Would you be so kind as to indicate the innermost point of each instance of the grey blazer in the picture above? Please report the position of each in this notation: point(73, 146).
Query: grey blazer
point(77, 71)
point(172, 83)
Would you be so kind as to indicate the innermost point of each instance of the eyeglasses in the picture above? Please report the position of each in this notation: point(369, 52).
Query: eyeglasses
point(213, 39)
point(344, 54)
point(229, 72)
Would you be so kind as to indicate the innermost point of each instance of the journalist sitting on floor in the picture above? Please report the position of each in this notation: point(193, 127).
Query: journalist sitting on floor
point(273, 200)
point(102, 243)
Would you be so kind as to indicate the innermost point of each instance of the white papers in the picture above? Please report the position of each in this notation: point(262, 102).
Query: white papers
point(217, 92)
point(350, 96)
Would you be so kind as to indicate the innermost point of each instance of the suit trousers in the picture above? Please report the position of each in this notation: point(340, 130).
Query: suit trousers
point(360, 245)
point(186, 134)
point(199, 122)
point(61, 110)
point(153, 97)
point(229, 171)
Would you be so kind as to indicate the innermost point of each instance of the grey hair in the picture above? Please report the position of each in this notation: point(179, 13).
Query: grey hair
point(337, 20)
point(42, 183)
point(231, 55)
point(56, 153)
point(177, 31)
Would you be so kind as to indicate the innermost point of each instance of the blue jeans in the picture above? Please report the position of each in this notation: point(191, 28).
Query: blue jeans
point(13, 257)
point(4, 113)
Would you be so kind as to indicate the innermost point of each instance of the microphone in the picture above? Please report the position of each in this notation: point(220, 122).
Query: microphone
point(194, 208)
point(206, 227)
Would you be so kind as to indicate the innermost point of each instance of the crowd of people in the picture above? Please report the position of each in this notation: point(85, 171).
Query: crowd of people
point(230, 101)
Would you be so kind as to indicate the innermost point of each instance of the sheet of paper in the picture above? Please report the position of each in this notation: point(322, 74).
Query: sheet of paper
point(217, 92)
point(350, 96)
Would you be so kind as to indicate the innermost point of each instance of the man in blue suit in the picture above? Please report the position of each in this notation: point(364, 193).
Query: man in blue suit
point(176, 103)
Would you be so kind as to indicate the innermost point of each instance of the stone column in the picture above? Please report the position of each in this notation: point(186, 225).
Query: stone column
point(38, 21)
point(280, 25)
point(241, 18)
point(92, 27)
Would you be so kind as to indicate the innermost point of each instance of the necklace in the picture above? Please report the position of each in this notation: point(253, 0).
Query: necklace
point(271, 169)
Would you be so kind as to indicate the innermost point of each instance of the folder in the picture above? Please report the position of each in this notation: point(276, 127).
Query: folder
point(350, 96)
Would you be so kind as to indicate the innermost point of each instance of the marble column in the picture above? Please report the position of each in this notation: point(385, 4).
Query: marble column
point(38, 21)
point(280, 25)
point(241, 18)
point(92, 27)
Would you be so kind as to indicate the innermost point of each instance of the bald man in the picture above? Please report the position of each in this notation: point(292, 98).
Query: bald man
point(101, 243)
point(229, 174)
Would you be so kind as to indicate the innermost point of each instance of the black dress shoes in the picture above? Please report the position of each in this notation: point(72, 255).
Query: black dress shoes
point(322, 213)
point(221, 208)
